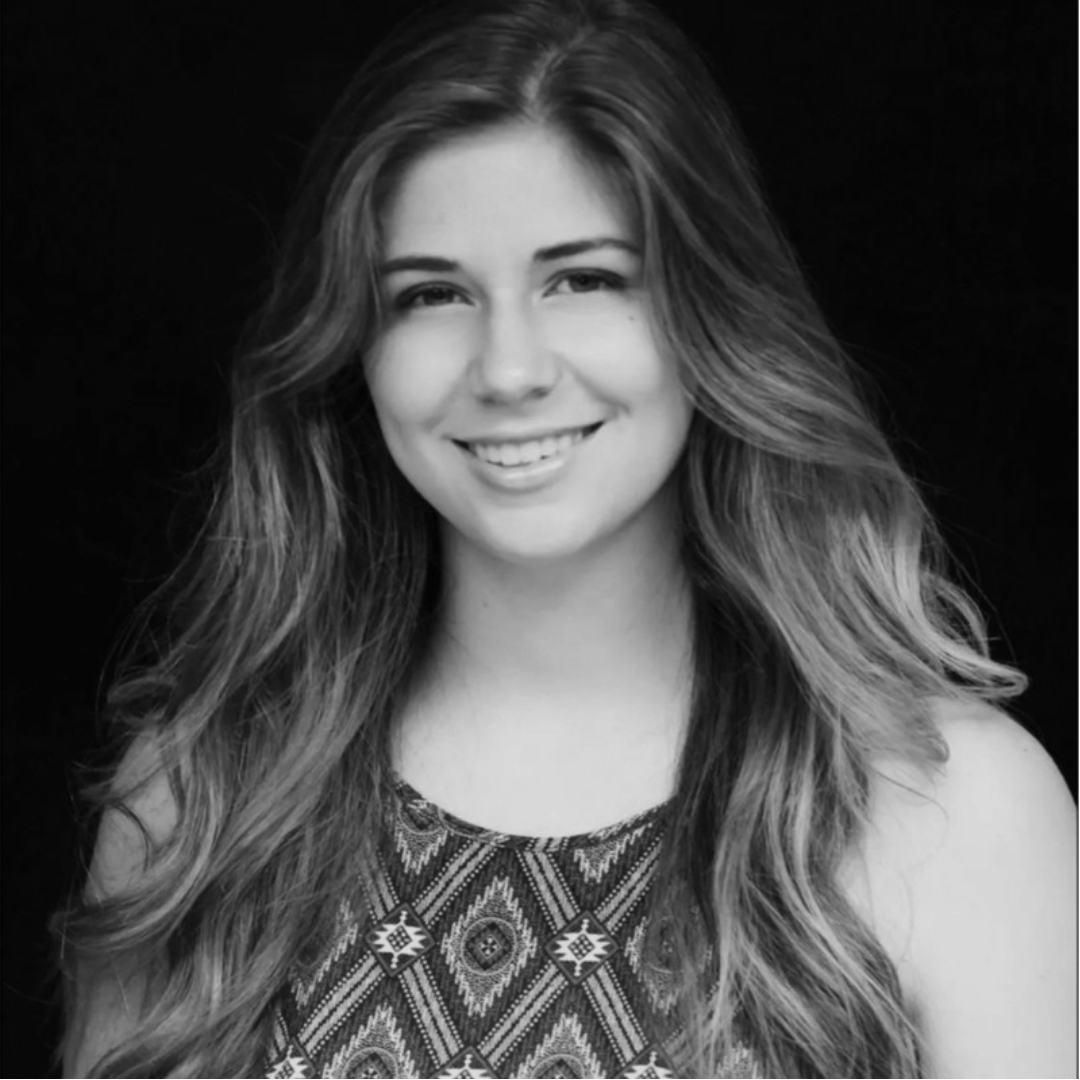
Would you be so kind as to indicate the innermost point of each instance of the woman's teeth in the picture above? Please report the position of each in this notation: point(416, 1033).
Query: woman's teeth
point(526, 453)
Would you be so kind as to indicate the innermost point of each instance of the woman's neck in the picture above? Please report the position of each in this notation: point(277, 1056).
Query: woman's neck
point(555, 698)
point(614, 621)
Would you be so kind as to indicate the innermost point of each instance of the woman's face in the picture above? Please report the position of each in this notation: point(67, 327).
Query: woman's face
point(517, 382)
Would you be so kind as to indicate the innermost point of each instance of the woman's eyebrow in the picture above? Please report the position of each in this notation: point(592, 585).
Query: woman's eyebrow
point(435, 264)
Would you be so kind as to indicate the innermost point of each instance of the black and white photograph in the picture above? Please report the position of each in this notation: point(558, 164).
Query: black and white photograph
point(540, 539)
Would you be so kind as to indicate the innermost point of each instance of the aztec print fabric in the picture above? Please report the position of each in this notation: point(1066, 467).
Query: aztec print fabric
point(485, 955)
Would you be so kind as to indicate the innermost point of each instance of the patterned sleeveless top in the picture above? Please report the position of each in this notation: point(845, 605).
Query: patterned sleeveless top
point(487, 955)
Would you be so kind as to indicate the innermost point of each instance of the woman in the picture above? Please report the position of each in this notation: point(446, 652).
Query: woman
point(566, 681)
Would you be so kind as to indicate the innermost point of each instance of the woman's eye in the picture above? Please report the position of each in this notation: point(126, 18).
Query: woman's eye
point(426, 296)
point(591, 280)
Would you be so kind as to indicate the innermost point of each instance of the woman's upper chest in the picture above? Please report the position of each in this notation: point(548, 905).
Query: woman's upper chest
point(538, 766)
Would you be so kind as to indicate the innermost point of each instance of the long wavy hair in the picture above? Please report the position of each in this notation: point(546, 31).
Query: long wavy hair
point(268, 670)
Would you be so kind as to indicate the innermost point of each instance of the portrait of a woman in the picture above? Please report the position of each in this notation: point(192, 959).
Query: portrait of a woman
point(568, 679)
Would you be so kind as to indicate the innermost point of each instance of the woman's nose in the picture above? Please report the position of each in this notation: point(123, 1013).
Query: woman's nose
point(513, 361)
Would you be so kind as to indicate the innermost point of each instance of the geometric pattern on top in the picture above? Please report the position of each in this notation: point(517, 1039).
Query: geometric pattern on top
point(486, 955)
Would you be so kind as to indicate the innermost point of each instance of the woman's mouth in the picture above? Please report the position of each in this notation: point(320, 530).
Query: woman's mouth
point(523, 453)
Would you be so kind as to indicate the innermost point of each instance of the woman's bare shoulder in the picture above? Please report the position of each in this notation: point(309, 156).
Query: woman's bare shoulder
point(121, 847)
point(995, 773)
point(106, 993)
point(969, 876)
point(986, 745)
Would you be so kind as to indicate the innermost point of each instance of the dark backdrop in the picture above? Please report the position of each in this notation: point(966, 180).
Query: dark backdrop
point(921, 156)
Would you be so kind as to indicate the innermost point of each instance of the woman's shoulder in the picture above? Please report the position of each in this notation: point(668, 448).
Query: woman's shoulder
point(985, 745)
point(994, 772)
point(148, 817)
point(107, 991)
point(968, 874)
point(996, 787)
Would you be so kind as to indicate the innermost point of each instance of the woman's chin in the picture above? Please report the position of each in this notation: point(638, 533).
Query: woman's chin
point(535, 544)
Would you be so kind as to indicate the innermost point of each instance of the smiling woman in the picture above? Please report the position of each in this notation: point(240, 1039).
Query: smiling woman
point(567, 682)
point(468, 391)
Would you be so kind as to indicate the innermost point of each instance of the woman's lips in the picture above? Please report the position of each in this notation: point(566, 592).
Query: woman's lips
point(533, 466)
point(516, 453)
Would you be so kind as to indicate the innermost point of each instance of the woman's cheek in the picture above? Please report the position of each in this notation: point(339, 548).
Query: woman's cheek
point(412, 375)
point(602, 329)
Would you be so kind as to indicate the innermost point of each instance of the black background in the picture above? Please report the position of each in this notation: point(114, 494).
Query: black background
point(921, 156)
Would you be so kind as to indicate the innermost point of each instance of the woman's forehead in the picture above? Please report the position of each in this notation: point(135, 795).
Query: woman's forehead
point(499, 188)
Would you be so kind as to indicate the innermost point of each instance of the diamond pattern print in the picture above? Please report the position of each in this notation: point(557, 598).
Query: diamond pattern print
point(650, 1064)
point(294, 1065)
point(347, 930)
point(483, 955)
point(418, 840)
point(377, 1050)
point(565, 1052)
point(659, 983)
point(399, 939)
point(467, 1065)
point(581, 947)
point(597, 859)
point(488, 945)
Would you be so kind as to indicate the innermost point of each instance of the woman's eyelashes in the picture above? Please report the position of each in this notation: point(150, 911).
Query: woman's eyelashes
point(439, 295)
